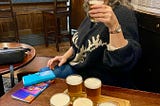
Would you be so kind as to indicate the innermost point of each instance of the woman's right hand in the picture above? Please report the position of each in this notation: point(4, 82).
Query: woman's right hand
point(58, 60)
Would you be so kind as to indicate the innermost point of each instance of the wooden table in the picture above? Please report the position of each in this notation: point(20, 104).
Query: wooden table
point(136, 97)
point(28, 58)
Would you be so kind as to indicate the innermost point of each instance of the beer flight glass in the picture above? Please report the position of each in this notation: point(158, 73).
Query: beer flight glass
point(92, 2)
point(60, 99)
point(108, 104)
point(82, 101)
point(93, 89)
point(74, 83)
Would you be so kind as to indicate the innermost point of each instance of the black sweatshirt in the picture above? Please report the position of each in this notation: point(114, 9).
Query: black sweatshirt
point(91, 58)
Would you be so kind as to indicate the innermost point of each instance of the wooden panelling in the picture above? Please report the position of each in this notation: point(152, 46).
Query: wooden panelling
point(37, 22)
point(29, 15)
point(77, 14)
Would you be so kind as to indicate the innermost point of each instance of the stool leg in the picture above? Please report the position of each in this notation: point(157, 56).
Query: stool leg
point(12, 75)
point(58, 34)
point(45, 29)
point(1, 86)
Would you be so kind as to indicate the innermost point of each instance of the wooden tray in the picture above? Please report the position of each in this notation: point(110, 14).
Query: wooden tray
point(104, 98)
point(118, 101)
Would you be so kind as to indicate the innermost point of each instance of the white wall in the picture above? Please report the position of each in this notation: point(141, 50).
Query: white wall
point(152, 6)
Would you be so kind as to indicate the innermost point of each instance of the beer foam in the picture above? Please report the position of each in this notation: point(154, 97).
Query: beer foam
point(107, 104)
point(82, 102)
point(60, 99)
point(96, 2)
point(74, 79)
point(92, 83)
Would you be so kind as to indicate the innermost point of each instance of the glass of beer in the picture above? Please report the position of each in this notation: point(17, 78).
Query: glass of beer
point(74, 83)
point(82, 101)
point(93, 2)
point(93, 88)
point(60, 99)
point(108, 104)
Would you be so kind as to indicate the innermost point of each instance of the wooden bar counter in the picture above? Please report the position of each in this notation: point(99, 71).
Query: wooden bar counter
point(135, 97)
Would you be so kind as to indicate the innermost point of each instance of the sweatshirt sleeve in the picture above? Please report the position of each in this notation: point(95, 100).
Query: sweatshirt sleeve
point(124, 58)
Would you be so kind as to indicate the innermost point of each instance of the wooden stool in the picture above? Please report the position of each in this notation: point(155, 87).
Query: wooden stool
point(34, 66)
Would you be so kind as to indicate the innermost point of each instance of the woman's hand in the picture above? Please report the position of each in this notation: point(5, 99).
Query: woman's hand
point(104, 13)
point(58, 60)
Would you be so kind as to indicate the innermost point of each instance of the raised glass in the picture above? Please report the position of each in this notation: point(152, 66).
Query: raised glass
point(92, 2)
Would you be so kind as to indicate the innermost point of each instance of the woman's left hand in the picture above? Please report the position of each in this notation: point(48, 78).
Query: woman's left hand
point(104, 13)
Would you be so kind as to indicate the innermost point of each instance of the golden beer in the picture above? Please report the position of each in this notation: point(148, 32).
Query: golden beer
point(92, 2)
point(83, 102)
point(74, 83)
point(60, 99)
point(93, 88)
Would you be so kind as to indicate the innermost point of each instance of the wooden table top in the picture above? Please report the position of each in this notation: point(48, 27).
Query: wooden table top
point(136, 97)
point(30, 55)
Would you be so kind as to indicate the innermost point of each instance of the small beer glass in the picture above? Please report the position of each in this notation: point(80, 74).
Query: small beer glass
point(60, 99)
point(82, 101)
point(74, 83)
point(93, 88)
point(108, 104)
point(93, 2)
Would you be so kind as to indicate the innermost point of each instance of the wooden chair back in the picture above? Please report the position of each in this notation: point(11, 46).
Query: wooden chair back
point(8, 22)
point(60, 17)
point(63, 12)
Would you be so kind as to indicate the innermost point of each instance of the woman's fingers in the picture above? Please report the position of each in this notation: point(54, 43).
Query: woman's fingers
point(52, 62)
point(63, 60)
point(103, 13)
point(49, 64)
point(60, 63)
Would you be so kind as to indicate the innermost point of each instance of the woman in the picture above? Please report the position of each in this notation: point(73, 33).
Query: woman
point(107, 48)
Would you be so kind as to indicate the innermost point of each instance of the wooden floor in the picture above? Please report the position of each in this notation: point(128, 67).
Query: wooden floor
point(41, 50)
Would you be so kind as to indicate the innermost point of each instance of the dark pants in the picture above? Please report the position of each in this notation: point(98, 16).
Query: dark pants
point(61, 72)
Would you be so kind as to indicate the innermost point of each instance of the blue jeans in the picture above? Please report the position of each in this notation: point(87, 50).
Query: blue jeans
point(60, 72)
